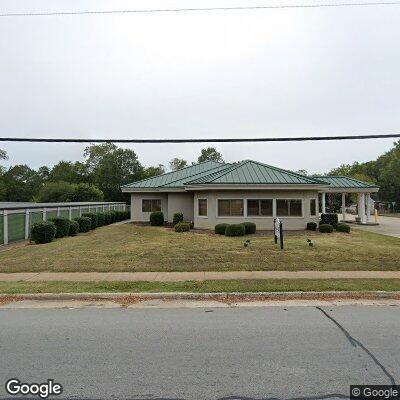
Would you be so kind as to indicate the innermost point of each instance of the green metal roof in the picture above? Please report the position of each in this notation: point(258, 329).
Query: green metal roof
point(242, 173)
point(345, 182)
point(177, 178)
point(252, 172)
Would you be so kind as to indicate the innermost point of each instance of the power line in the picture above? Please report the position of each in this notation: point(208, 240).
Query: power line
point(174, 10)
point(204, 140)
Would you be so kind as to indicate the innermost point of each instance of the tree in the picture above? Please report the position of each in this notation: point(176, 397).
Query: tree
point(177, 163)
point(21, 183)
point(87, 192)
point(110, 167)
point(54, 192)
point(67, 171)
point(302, 172)
point(153, 171)
point(210, 154)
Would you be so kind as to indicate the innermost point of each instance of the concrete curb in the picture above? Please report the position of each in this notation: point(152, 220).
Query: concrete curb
point(226, 297)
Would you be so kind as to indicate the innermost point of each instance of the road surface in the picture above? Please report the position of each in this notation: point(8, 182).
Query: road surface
point(389, 226)
point(235, 353)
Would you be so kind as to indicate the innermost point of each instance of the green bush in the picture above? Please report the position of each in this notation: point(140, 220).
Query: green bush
point(343, 228)
point(325, 228)
point(107, 218)
point(220, 229)
point(84, 223)
point(127, 214)
point(311, 226)
point(100, 218)
point(73, 228)
point(157, 218)
point(43, 232)
point(249, 227)
point(182, 227)
point(93, 219)
point(329, 219)
point(113, 214)
point(62, 226)
point(235, 230)
point(178, 217)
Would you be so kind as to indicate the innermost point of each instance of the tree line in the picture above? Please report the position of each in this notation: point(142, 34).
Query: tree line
point(99, 177)
point(106, 167)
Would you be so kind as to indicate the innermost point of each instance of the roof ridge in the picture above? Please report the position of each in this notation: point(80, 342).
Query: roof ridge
point(284, 170)
point(198, 173)
point(231, 168)
point(171, 172)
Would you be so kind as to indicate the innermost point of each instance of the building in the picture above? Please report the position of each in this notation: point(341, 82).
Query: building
point(210, 193)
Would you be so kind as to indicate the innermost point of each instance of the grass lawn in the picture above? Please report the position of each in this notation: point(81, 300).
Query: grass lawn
point(229, 286)
point(133, 248)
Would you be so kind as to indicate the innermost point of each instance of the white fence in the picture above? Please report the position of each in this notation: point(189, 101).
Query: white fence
point(16, 219)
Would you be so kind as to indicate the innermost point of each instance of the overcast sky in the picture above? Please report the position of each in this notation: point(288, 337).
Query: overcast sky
point(288, 72)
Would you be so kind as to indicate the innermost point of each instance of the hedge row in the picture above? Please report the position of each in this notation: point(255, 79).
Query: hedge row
point(46, 231)
point(245, 228)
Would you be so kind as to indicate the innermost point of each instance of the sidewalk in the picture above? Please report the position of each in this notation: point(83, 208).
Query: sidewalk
point(191, 276)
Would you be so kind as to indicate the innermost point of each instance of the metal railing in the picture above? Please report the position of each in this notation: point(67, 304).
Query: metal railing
point(16, 219)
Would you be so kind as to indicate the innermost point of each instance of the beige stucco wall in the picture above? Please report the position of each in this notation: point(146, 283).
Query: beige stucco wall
point(171, 203)
point(180, 202)
point(264, 223)
point(136, 205)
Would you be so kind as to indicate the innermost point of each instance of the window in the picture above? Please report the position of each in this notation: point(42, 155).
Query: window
point(230, 208)
point(289, 208)
point(151, 205)
point(259, 208)
point(202, 207)
point(313, 207)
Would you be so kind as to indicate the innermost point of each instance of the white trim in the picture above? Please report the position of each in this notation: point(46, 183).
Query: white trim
point(292, 216)
point(202, 216)
point(231, 216)
point(260, 216)
point(149, 212)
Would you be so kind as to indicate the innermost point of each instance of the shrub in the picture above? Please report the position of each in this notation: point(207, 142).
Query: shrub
point(93, 219)
point(343, 228)
point(311, 226)
point(220, 229)
point(127, 214)
point(100, 219)
point(73, 228)
point(178, 217)
point(107, 218)
point(249, 227)
point(329, 219)
point(325, 228)
point(62, 226)
point(113, 214)
point(157, 218)
point(235, 230)
point(84, 223)
point(182, 227)
point(43, 232)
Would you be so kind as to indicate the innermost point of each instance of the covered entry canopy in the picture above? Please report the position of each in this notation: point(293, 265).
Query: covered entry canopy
point(344, 185)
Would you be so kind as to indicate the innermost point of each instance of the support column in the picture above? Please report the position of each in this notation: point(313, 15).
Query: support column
point(70, 213)
point(368, 196)
point(44, 214)
point(344, 207)
point(27, 224)
point(323, 201)
point(362, 208)
point(5, 227)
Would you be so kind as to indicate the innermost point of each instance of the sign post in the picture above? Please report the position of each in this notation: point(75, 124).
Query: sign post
point(278, 232)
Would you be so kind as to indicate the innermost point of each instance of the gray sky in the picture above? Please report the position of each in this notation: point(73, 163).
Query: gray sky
point(291, 72)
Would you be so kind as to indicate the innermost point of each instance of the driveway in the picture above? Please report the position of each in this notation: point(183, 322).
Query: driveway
point(389, 226)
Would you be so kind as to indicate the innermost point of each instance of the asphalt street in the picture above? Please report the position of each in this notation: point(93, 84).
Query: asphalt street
point(235, 353)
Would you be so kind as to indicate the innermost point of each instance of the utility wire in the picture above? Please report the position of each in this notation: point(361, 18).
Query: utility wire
point(174, 10)
point(204, 140)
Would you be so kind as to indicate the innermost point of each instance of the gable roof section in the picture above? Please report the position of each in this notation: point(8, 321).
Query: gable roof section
point(252, 172)
point(177, 178)
point(345, 182)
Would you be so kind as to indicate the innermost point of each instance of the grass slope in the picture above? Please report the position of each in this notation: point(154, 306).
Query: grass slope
point(132, 248)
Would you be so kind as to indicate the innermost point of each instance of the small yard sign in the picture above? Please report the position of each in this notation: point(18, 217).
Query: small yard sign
point(278, 232)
